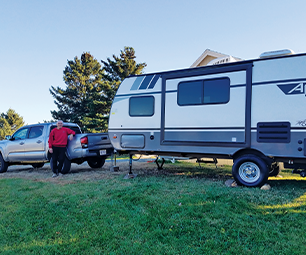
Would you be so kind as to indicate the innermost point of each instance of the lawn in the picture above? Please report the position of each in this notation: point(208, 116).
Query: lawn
point(183, 209)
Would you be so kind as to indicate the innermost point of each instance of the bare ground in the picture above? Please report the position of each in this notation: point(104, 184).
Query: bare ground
point(81, 172)
point(84, 172)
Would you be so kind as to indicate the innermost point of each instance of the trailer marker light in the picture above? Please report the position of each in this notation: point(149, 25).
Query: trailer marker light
point(115, 137)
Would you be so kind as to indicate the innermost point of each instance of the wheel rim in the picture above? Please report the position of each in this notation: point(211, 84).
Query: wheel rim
point(249, 172)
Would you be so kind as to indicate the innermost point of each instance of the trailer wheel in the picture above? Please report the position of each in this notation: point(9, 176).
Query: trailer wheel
point(66, 166)
point(96, 162)
point(250, 170)
point(3, 165)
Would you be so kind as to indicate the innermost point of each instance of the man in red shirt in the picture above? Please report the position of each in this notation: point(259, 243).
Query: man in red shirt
point(57, 146)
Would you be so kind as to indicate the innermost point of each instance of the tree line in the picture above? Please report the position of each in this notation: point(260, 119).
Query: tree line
point(87, 97)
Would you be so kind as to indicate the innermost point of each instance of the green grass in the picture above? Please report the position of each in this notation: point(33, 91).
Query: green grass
point(183, 209)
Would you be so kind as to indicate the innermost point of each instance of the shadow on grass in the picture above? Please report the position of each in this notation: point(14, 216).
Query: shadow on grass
point(190, 171)
point(290, 184)
point(210, 171)
point(85, 170)
point(23, 168)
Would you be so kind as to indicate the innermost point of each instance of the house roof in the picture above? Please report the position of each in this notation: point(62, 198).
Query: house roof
point(209, 55)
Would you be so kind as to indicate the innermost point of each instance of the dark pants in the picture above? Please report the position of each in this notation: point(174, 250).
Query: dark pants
point(58, 158)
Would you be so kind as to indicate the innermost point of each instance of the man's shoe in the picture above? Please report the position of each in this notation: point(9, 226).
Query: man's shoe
point(60, 174)
point(54, 175)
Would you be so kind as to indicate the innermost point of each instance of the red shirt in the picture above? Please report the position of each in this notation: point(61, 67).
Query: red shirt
point(59, 137)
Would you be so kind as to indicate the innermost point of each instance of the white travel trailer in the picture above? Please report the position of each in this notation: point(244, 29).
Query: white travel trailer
point(249, 111)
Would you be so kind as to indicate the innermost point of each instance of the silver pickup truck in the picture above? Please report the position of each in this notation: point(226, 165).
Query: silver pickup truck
point(29, 146)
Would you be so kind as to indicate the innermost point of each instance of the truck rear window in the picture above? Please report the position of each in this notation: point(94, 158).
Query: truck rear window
point(75, 129)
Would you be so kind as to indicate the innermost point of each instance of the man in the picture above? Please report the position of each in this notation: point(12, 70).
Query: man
point(57, 146)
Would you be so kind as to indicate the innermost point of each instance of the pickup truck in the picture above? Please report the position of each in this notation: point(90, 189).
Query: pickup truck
point(29, 146)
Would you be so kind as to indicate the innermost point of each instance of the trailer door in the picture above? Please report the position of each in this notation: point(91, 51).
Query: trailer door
point(207, 106)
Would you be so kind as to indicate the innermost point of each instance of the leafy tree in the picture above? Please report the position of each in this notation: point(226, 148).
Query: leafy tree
point(91, 88)
point(5, 128)
point(9, 123)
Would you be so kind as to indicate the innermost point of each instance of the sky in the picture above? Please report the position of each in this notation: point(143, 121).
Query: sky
point(38, 37)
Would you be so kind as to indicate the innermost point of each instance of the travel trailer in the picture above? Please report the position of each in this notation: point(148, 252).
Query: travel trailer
point(249, 111)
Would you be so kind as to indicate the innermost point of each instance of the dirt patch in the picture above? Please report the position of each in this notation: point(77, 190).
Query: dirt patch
point(83, 172)
point(78, 173)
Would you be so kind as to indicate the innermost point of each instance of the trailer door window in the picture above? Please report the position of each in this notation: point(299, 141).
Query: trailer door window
point(216, 91)
point(213, 91)
point(190, 93)
point(141, 106)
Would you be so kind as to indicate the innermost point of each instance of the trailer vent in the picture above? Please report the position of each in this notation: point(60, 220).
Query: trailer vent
point(276, 53)
point(273, 132)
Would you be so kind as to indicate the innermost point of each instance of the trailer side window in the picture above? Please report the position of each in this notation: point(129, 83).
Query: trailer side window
point(141, 106)
point(213, 91)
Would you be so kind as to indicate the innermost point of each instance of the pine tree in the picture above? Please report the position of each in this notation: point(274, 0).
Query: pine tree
point(9, 123)
point(119, 68)
point(91, 89)
point(123, 66)
point(85, 101)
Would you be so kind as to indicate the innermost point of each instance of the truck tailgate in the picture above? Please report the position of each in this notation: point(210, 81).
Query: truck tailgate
point(98, 141)
point(89, 145)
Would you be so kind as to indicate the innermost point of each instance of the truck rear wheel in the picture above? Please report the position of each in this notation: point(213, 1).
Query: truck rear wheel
point(38, 165)
point(3, 165)
point(96, 162)
point(66, 166)
point(250, 170)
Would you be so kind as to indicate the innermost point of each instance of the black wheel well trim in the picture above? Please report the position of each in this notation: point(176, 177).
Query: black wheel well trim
point(1, 154)
point(95, 157)
point(49, 156)
point(254, 152)
point(67, 155)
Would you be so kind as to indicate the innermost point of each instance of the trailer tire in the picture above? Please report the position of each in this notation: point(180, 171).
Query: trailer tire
point(3, 165)
point(250, 170)
point(96, 162)
point(66, 166)
point(38, 165)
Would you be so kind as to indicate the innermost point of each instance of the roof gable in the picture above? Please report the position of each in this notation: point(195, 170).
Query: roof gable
point(210, 55)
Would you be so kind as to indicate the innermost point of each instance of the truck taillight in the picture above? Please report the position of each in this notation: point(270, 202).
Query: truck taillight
point(84, 142)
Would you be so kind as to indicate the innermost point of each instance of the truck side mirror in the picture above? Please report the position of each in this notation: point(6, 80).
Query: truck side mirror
point(8, 137)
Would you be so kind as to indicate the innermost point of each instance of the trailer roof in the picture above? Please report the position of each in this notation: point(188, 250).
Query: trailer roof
point(221, 65)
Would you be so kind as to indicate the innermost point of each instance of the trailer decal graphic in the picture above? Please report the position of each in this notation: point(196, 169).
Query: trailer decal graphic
point(293, 88)
point(301, 123)
point(145, 82)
